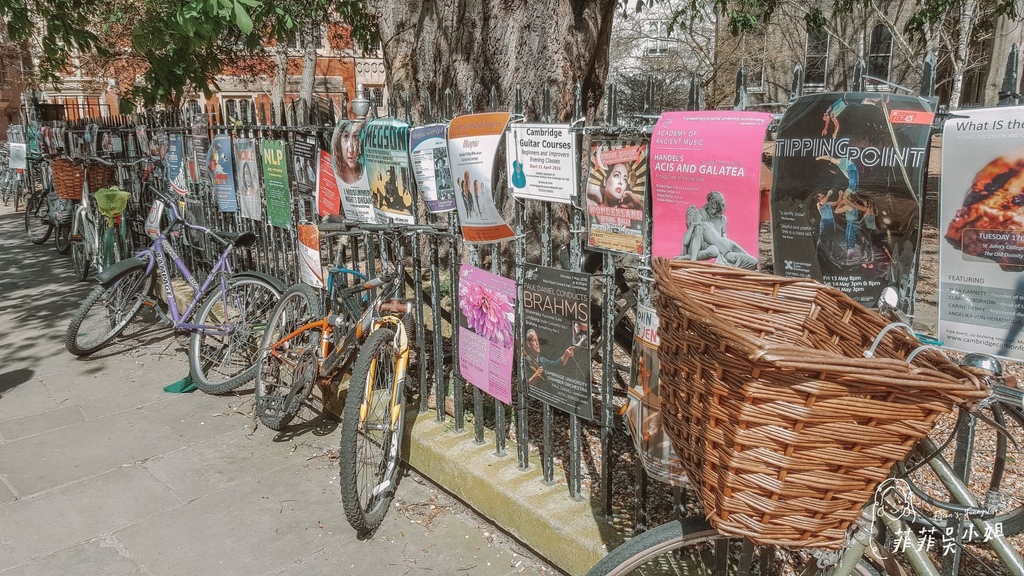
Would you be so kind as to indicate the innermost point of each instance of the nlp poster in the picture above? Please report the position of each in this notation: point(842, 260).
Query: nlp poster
point(222, 173)
point(706, 173)
point(328, 197)
point(615, 195)
point(250, 204)
point(310, 270)
point(487, 304)
point(431, 168)
point(275, 184)
point(981, 220)
point(176, 165)
point(472, 145)
point(348, 162)
point(542, 162)
point(386, 155)
point(304, 160)
point(846, 198)
point(556, 316)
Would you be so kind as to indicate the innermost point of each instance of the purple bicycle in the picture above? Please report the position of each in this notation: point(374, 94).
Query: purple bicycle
point(226, 317)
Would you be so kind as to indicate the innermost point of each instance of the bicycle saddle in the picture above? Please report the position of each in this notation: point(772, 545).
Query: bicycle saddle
point(239, 239)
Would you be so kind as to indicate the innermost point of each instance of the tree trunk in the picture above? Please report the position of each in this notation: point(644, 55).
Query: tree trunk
point(308, 71)
point(963, 44)
point(277, 87)
point(476, 45)
point(1007, 33)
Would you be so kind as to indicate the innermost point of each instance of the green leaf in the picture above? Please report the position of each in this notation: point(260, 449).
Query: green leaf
point(242, 19)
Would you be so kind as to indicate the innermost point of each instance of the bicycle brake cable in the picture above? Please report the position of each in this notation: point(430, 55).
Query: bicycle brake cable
point(939, 449)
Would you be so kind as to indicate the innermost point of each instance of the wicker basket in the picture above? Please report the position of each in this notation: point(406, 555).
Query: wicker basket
point(67, 178)
point(785, 428)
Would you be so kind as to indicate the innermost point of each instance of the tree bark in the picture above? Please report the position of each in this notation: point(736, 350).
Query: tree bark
point(472, 46)
point(308, 71)
point(963, 45)
point(1007, 33)
point(277, 87)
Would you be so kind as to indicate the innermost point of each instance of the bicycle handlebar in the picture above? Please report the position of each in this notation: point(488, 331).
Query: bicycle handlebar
point(352, 226)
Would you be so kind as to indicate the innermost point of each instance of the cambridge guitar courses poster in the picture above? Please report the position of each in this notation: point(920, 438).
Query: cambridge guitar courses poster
point(846, 198)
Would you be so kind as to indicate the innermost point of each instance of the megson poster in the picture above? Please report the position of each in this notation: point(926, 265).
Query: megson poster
point(328, 197)
point(472, 145)
point(250, 203)
point(175, 161)
point(222, 173)
point(431, 168)
point(542, 162)
point(349, 169)
point(981, 222)
point(846, 198)
point(556, 317)
point(615, 195)
point(275, 183)
point(705, 173)
point(386, 157)
point(304, 159)
point(487, 305)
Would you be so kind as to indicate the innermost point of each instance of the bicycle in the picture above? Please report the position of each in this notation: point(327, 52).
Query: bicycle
point(230, 310)
point(86, 238)
point(45, 211)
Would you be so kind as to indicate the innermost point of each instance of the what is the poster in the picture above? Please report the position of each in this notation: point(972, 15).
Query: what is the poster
point(542, 162)
point(705, 174)
point(556, 316)
point(328, 197)
point(311, 271)
point(176, 165)
point(846, 199)
point(487, 305)
point(304, 162)
point(275, 183)
point(472, 145)
point(981, 221)
point(615, 195)
point(222, 173)
point(200, 145)
point(350, 170)
point(431, 167)
point(250, 201)
point(386, 157)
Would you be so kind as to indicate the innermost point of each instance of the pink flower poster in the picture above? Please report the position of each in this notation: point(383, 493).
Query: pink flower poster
point(705, 185)
point(487, 314)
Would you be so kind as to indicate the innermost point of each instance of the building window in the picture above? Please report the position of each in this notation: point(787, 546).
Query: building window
point(816, 57)
point(241, 109)
point(377, 97)
point(312, 33)
point(192, 108)
point(879, 58)
point(657, 38)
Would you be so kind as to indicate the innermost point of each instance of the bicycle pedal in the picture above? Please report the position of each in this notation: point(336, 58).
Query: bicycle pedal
point(76, 237)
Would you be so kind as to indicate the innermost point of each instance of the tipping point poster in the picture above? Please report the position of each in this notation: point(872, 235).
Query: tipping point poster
point(176, 164)
point(350, 170)
point(981, 222)
point(556, 317)
point(250, 204)
point(328, 197)
point(487, 305)
point(705, 175)
point(386, 157)
point(615, 195)
point(431, 167)
point(275, 182)
point(222, 172)
point(542, 162)
point(846, 198)
point(472, 145)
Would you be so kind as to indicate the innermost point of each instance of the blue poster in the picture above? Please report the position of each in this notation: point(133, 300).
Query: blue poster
point(175, 162)
point(222, 172)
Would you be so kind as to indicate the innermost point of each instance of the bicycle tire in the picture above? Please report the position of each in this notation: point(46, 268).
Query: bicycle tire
point(107, 311)
point(80, 260)
point(37, 218)
point(284, 377)
point(6, 189)
point(370, 446)
point(692, 546)
point(221, 363)
point(62, 239)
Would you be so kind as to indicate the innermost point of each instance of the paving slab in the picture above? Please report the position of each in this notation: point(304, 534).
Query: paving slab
point(145, 397)
point(98, 557)
point(6, 495)
point(40, 423)
point(198, 416)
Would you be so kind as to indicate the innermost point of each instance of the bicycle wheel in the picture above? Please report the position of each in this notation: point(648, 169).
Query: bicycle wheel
point(371, 433)
point(62, 239)
point(287, 370)
point(6, 189)
point(81, 259)
point(37, 218)
point(107, 311)
point(222, 355)
point(691, 546)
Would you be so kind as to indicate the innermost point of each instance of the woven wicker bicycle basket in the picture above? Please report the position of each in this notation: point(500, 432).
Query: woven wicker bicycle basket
point(67, 178)
point(784, 427)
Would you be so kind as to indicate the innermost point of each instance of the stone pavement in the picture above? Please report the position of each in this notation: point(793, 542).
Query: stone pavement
point(101, 472)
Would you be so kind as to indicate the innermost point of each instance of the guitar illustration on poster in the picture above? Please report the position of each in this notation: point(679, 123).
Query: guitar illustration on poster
point(518, 178)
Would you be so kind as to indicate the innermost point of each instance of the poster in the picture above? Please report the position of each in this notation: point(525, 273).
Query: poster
point(142, 138)
point(981, 222)
point(328, 197)
point(643, 412)
point(17, 159)
point(106, 143)
point(200, 146)
point(431, 168)
point(705, 185)
point(556, 317)
point(304, 159)
point(846, 199)
point(347, 159)
point(487, 305)
point(542, 162)
point(175, 162)
point(158, 144)
point(472, 144)
point(275, 183)
point(250, 203)
point(222, 173)
point(386, 158)
point(615, 195)
point(310, 270)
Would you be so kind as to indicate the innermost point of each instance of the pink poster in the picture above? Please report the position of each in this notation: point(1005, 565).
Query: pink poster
point(487, 304)
point(328, 198)
point(705, 185)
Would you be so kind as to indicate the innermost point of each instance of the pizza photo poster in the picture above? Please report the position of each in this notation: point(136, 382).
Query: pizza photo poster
point(846, 198)
point(981, 226)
